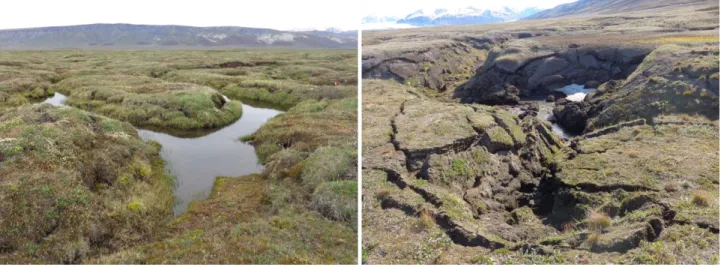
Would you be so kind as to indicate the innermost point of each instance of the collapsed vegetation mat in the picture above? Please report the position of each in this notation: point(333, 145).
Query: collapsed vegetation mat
point(459, 168)
point(489, 187)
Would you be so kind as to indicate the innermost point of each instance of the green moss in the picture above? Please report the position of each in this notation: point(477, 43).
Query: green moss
point(455, 207)
point(246, 138)
point(654, 253)
point(264, 150)
point(327, 164)
point(499, 135)
point(11, 124)
point(509, 122)
point(481, 120)
point(337, 200)
point(135, 206)
point(460, 170)
point(413, 82)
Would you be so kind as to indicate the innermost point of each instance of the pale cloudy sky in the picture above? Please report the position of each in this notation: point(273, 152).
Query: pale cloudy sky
point(274, 14)
point(402, 8)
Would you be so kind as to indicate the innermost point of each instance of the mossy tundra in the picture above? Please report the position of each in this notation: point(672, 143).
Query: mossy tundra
point(80, 186)
point(76, 185)
point(176, 89)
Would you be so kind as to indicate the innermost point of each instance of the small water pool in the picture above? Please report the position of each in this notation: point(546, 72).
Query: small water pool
point(575, 92)
point(57, 99)
point(196, 158)
point(545, 112)
point(196, 161)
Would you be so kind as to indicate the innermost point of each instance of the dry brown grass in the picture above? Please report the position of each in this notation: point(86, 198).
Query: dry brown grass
point(681, 39)
point(382, 194)
point(425, 221)
point(598, 221)
point(672, 187)
point(594, 238)
point(632, 154)
point(701, 198)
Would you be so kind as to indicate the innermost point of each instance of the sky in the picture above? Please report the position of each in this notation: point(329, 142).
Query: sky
point(403, 8)
point(274, 14)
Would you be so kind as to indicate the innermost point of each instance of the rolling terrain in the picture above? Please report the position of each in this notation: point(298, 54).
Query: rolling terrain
point(144, 37)
point(605, 7)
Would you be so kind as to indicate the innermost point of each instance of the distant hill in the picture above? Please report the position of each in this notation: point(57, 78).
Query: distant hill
point(129, 36)
point(461, 16)
point(601, 7)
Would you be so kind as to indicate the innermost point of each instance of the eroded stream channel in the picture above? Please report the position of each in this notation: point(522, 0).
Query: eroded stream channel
point(572, 92)
point(196, 158)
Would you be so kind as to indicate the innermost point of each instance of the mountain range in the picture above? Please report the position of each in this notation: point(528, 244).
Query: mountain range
point(442, 16)
point(130, 36)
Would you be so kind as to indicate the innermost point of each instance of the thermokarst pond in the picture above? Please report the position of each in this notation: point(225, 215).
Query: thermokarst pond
point(197, 158)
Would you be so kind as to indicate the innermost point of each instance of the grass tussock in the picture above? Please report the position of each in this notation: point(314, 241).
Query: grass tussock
point(598, 221)
point(191, 108)
point(337, 200)
point(425, 221)
point(701, 198)
point(594, 238)
point(671, 187)
point(328, 164)
point(76, 185)
point(245, 229)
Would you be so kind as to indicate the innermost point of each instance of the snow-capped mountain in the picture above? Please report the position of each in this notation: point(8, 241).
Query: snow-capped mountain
point(376, 19)
point(314, 29)
point(376, 22)
point(459, 16)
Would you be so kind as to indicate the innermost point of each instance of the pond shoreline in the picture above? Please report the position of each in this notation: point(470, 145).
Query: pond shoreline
point(197, 157)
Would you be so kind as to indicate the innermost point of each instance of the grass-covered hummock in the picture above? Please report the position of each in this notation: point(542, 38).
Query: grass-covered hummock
point(307, 126)
point(244, 222)
point(75, 185)
point(145, 101)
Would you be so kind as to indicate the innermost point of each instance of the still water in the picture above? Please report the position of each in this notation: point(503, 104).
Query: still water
point(196, 158)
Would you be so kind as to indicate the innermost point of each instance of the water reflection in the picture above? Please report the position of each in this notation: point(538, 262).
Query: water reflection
point(197, 160)
point(197, 157)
